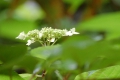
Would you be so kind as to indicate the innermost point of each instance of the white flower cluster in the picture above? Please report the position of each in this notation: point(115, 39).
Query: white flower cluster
point(46, 35)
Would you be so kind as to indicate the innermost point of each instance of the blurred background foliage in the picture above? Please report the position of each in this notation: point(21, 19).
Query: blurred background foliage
point(94, 54)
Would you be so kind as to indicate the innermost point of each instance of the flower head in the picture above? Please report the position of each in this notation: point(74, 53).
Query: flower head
point(46, 35)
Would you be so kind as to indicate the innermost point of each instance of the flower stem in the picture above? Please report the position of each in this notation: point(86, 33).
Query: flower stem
point(41, 43)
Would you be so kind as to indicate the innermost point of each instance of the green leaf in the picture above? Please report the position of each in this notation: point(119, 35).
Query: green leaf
point(45, 52)
point(105, 22)
point(106, 73)
point(9, 75)
point(4, 3)
point(12, 28)
point(10, 55)
point(27, 76)
point(28, 63)
point(87, 52)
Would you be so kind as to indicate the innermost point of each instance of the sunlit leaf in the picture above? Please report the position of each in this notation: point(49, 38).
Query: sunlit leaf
point(9, 75)
point(46, 52)
point(106, 73)
point(27, 76)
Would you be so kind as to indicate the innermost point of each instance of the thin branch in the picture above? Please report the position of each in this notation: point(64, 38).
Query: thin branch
point(41, 43)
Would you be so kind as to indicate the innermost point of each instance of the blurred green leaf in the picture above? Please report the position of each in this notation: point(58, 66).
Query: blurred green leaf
point(46, 52)
point(28, 63)
point(23, 11)
point(26, 76)
point(105, 22)
point(10, 55)
point(11, 28)
point(9, 75)
point(4, 2)
point(106, 73)
point(90, 54)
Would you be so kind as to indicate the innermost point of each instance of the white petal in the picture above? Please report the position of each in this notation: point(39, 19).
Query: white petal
point(40, 35)
point(69, 33)
point(29, 42)
point(76, 33)
point(52, 40)
point(72, 30)
point(22, 36)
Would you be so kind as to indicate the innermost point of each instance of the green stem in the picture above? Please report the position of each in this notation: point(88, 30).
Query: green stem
point(44, 43)
point(41, 43)
point(48, 43)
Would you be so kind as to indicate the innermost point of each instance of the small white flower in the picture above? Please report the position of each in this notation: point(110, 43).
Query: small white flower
point(29, 42)
point(52, 40)
point(40, 35)
point(73, 31)
point(22, 36)
point(69, 33)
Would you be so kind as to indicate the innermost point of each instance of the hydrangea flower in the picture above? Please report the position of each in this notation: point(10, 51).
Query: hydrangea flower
point(46, 36)
point(71, 32)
